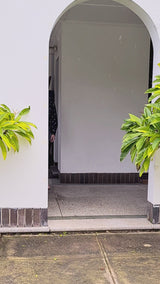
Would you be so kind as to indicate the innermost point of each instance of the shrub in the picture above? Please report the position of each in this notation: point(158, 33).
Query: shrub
point(142, 138)
point(11, 126)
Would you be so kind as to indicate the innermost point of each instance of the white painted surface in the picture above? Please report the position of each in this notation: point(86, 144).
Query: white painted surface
point(104, 77)
point(154, 180)
point(25, 28)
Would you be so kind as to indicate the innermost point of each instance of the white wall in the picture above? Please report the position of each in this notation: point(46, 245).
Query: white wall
point(104, 77)
point(25, 28)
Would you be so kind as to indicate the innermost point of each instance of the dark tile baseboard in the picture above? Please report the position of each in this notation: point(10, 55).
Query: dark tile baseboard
point(153, 213)
point(23, 217)
point(102, 178)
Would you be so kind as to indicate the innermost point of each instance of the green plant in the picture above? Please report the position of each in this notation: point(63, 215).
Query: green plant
point(11, 127)
point(142, 138)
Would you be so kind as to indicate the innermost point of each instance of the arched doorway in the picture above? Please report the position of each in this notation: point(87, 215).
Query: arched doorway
point(103, 52)
point(109, 55)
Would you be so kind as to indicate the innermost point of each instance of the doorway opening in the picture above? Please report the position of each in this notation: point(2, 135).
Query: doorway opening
point(53, 92)
point(104, 62)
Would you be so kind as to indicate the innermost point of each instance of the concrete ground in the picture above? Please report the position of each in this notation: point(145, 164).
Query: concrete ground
point(67, 200)
point(89, 207)
point(95, 258)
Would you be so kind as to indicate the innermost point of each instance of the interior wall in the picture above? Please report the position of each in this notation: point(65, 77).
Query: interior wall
point(103, 78)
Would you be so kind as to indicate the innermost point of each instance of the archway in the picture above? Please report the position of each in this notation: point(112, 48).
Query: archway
point(118, 67)
point(70, 172)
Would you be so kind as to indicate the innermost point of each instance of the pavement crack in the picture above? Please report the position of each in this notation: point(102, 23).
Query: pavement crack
point(109, 269)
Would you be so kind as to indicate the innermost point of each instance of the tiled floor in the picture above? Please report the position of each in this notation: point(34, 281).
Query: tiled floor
point(97, 200)
point(77, 207)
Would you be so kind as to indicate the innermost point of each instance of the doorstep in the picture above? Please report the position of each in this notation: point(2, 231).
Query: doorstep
point(108, 224)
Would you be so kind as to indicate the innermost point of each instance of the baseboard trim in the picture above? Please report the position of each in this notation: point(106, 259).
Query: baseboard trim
point(102, 178)
point(23, 217)
point(153, 213)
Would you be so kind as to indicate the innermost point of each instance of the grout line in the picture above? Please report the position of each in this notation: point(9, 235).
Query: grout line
point(82, 217)
point(56, 198)
point(106, 261)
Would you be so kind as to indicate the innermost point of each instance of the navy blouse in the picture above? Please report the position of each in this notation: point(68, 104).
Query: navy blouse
point(53, 122)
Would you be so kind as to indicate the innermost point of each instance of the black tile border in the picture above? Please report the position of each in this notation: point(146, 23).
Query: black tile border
point(102, 178)
point(23, 217)
point(153, 213)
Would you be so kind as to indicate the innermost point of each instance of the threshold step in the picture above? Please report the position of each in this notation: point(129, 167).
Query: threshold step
point(108, 224)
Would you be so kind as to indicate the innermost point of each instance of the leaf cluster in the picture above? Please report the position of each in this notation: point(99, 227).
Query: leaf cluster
point(142, 137)
point(11, 126)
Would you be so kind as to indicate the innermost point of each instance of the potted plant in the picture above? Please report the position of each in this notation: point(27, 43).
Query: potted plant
point(142, 138)
point(11, 126)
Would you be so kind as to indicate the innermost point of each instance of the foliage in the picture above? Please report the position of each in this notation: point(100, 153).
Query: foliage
point(142, 138)
point(11, 127)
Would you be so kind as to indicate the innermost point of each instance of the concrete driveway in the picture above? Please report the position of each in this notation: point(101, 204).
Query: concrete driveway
point(96, 258)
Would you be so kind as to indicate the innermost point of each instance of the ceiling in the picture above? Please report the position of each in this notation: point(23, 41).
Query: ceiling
point(101, 11)
point(102, 2)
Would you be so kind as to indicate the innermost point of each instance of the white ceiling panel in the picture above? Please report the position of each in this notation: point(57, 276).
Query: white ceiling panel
point(98, 12)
